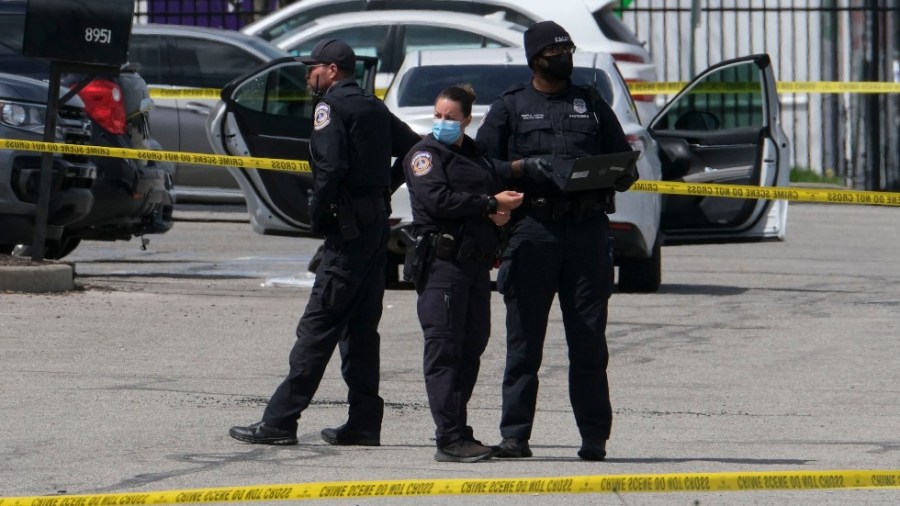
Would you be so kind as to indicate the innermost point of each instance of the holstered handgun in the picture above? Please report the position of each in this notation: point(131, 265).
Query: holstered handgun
point(418, 256)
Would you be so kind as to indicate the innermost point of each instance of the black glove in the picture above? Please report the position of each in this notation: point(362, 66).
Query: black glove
point(537, 169)
point(624, 182)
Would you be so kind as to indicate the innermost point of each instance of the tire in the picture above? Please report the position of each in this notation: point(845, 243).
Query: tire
point(641, 275)
point(52, 250)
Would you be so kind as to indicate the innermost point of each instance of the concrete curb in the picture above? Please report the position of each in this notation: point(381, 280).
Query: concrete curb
point(56, 277)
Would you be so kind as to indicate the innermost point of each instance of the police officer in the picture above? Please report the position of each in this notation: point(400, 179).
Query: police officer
point(557, 242)
point(457, 206)
point(353, 138)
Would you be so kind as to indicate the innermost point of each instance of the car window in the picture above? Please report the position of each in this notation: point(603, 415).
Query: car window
point(613, 28)
point(418, 37)
point(309, 15)
point(147, 51)
point(464, 6)
point(294, 22)
point(12, 31)
point(728, 98)
point(421, 85)
point(365, 41)
point(203, 63)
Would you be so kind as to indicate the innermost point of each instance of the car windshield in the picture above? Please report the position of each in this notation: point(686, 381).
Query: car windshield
point(421, 85)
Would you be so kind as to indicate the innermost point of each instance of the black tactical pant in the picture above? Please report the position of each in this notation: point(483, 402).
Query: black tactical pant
point(344, 309)
point(454, 310)
point(544, 258)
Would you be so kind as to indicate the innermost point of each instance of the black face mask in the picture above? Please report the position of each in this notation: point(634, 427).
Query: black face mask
point(557, 67)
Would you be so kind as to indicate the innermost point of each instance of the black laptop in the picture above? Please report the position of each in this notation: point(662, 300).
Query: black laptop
point(592, 172)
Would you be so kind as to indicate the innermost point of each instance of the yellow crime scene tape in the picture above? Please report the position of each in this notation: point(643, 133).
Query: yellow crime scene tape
point(782, 87)
point(596, 484)
point(637, 88)
point(245, 162)
point(831, 195)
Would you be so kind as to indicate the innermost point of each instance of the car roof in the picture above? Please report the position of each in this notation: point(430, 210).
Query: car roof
point(507, 56)
point(498, 29)
point(249, 42)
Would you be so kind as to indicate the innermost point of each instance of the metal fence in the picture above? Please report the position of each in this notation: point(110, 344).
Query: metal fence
point(853, 136)
point(232, 14)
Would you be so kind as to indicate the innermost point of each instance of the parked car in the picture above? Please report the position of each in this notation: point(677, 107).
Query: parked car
point(131, 197)
point(389, 35)
point(190, 58)
point(23, 106)
point(593, 24)
point(705, 134)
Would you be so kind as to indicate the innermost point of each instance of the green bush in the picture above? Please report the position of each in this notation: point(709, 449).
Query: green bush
point(805, 175)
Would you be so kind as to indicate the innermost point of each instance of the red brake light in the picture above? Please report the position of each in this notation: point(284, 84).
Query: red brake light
point(636, 142)
point(103, 103)
point(640, 98)
point(631, 58)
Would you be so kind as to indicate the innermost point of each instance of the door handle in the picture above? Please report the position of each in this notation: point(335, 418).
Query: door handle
point(198, 108)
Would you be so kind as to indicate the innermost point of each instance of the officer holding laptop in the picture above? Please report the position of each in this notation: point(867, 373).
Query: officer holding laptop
point(557, 241)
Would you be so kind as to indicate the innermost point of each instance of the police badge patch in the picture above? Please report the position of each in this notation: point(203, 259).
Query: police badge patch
point(580, 106)
point(322, 116)
point(421, 163)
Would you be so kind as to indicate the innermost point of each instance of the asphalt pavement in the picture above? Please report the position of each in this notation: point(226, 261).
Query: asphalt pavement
point(752, 357)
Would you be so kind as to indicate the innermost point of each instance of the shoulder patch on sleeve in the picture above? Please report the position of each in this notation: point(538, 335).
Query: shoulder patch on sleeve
point(321, 116)
point(421, 163)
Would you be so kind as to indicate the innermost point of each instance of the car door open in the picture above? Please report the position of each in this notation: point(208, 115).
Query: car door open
point(268, 114)
point(723, 128)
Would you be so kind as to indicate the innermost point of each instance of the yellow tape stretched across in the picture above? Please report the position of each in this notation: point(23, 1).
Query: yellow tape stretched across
point(734, 191)
point(831, 196)
point(597, 484)
point(636, 88)
point(244, 162)
point(782, 87)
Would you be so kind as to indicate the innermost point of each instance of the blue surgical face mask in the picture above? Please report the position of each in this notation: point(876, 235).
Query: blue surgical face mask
point(446, 131)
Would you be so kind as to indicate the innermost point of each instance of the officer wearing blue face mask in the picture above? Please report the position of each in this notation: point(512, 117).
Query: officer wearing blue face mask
point(458, 206)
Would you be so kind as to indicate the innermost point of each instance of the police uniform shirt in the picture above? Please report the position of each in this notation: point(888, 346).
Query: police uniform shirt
point(525, 122)
point(449, 187)
point(353, 139)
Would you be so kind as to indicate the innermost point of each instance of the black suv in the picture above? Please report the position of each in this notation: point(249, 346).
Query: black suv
point(131, 197)
point(23, 104)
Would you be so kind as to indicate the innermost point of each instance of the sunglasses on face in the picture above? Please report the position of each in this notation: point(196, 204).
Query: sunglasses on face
point(558, 49)
point(311, 68)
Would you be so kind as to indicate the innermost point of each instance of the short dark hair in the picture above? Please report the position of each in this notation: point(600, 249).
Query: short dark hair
point(463, 94)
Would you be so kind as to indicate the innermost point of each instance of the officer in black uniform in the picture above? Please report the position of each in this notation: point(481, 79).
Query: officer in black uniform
point(354, 136)
point(557, 242)
point(457, 206)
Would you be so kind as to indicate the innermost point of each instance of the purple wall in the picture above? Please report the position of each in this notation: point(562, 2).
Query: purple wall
point(231, 14)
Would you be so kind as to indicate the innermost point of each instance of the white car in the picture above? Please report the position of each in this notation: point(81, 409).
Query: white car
point(592, 24)
point(711, 132)
point(389, 35)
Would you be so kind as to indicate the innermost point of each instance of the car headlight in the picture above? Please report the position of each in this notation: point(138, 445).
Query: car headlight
point(19, 115)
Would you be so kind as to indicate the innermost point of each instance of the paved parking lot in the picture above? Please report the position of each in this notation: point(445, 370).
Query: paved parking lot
point(753, 357)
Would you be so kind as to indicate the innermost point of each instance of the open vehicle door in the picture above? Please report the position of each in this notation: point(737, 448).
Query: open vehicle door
point(268, 114)
point(724, 128)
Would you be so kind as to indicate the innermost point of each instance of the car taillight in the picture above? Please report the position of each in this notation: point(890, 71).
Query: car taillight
point(103, 103)
point(637, 144)
point(640, 98)
point(627, 57)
